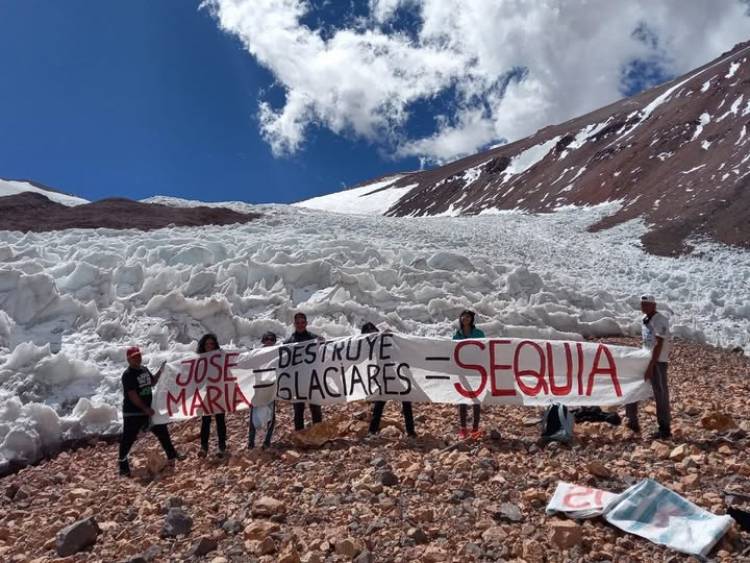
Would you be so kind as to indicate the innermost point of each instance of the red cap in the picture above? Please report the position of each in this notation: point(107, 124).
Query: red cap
point(133, 351)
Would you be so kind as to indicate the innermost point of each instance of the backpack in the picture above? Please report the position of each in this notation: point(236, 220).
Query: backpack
point(557, 424)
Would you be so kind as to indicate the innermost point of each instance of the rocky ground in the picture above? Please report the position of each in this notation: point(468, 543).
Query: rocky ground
point(389, 498)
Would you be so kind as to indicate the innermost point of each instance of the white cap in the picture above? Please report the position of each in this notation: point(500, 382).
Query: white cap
point(648, 298)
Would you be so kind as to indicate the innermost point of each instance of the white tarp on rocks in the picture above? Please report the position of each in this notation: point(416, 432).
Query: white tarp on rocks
point(646, 509)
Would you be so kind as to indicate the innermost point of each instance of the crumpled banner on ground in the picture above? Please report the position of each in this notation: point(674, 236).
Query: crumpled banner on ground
point(649, 510)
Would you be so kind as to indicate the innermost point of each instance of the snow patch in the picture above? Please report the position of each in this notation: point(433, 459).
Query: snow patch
point(14, 187)
point(362, 200)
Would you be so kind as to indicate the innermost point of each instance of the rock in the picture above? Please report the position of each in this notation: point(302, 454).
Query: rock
point(177, 522)
point(348, 547)
point(311, 557)
point(508, 511)
point(260, 529)
point(725, 450)
point(425, 515)
point(22, 493)
point(202, 547)
point(364, 557)
point(378, 462)
point(660, 450)
point(472, 550)
point(11, 490)
point(461, 494)
point(231, 526)
point(76, 537)
point(219, 560)
point(291, 457)
point(494, 534)
point(718, 421)
point(679, 453)
point(418, 535)
point(434, 554)
point(532, 550)
point(388, 478)
point(267, 546)
point(565, 533)
point(690, 481)
point(598, 469)
point(289, 555)
point(173, 502)
point(268, 506)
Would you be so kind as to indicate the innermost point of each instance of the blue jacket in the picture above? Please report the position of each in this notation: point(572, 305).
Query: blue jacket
point(475, 333)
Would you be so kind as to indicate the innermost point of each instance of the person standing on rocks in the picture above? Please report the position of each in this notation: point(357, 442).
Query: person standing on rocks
point(379, 406)
point(301, 334)
point(209, 343)
point(467, 329)
point(656, 338)
point(137, 382)
point(266, 413)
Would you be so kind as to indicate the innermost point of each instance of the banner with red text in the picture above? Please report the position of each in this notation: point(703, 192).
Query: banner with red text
point(389, 366)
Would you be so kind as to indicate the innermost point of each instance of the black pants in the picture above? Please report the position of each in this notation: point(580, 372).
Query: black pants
point(269, 431)
point(221, 431)
point(377, 414)
point(299, 415)
point(131, 426)
point(463, 415)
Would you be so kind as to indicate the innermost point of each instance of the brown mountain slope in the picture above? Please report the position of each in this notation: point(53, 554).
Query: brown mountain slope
point(677, 155)
point(33, 212)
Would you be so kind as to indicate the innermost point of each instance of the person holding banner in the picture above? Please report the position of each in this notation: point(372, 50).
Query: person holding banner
point(266, 414)
point(301, 334)
point(209, 343)
point(379, 406)
point(655, 336)
point(137, 382)
point(467, 329)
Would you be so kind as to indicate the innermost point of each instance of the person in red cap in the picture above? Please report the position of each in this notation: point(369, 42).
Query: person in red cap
point(137, 381)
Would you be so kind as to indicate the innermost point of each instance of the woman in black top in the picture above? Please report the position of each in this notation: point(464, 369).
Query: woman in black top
point(209, 343)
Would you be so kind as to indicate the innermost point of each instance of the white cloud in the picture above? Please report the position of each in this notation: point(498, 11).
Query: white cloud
point(362, 80)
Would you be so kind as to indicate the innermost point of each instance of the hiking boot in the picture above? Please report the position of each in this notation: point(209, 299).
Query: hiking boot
point(661, 434)
point(476, 434)
point(203, 453)
point(463, 434)
point(124, 468)
point(634, 427)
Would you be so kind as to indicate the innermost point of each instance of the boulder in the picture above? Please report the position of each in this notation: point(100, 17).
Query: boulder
point(76, 537)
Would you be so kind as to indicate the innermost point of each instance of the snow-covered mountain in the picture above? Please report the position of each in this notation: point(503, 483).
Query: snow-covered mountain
point(15, 187)
point(677, 156)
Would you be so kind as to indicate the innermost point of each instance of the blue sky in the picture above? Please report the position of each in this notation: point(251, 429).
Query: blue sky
point(141, 97)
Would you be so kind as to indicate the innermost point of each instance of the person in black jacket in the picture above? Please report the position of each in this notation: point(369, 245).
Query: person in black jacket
point(137, 382)
point(379, 406)
point(301, 334)
point(209, 343)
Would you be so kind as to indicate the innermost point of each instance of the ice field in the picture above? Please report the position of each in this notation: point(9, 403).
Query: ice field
point(72, 301)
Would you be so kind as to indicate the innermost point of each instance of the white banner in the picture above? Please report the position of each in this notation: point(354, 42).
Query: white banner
point(389, 366)
point(646, 509)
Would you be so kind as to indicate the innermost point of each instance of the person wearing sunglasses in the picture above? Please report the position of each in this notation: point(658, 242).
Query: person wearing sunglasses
point(265, 415)
point(656, 338)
